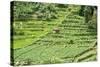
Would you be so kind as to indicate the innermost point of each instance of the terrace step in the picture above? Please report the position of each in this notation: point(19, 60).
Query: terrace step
point(86, 55)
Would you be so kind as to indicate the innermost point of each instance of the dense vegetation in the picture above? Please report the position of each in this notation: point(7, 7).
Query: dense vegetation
point(90, 14)
point(46, 33)
point(42, 11)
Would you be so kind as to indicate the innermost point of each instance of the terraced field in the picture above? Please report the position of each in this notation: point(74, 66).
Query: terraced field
point(74, 43)
point(33, 29)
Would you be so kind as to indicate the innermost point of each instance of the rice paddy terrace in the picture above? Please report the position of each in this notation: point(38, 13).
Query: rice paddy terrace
point(74, 43)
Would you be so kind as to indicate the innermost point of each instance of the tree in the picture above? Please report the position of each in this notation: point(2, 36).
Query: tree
point(22, 10)
point(90, 15)
point(46, 12)
point(81, 11)
point(25, 10)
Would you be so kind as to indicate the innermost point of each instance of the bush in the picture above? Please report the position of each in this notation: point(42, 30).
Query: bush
point(81, 11)
point(71, 42)
point(64, 21)
point(92, 24)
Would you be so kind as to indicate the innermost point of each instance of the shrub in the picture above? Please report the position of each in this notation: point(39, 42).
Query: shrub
point(71, 42)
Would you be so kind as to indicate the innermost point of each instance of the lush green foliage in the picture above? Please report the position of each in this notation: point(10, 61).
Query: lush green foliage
point(90, 14)
point(42, 11)
point(22, 10)
point(36, 43)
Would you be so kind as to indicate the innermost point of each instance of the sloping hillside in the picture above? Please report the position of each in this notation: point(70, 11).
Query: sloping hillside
point(74, 43)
